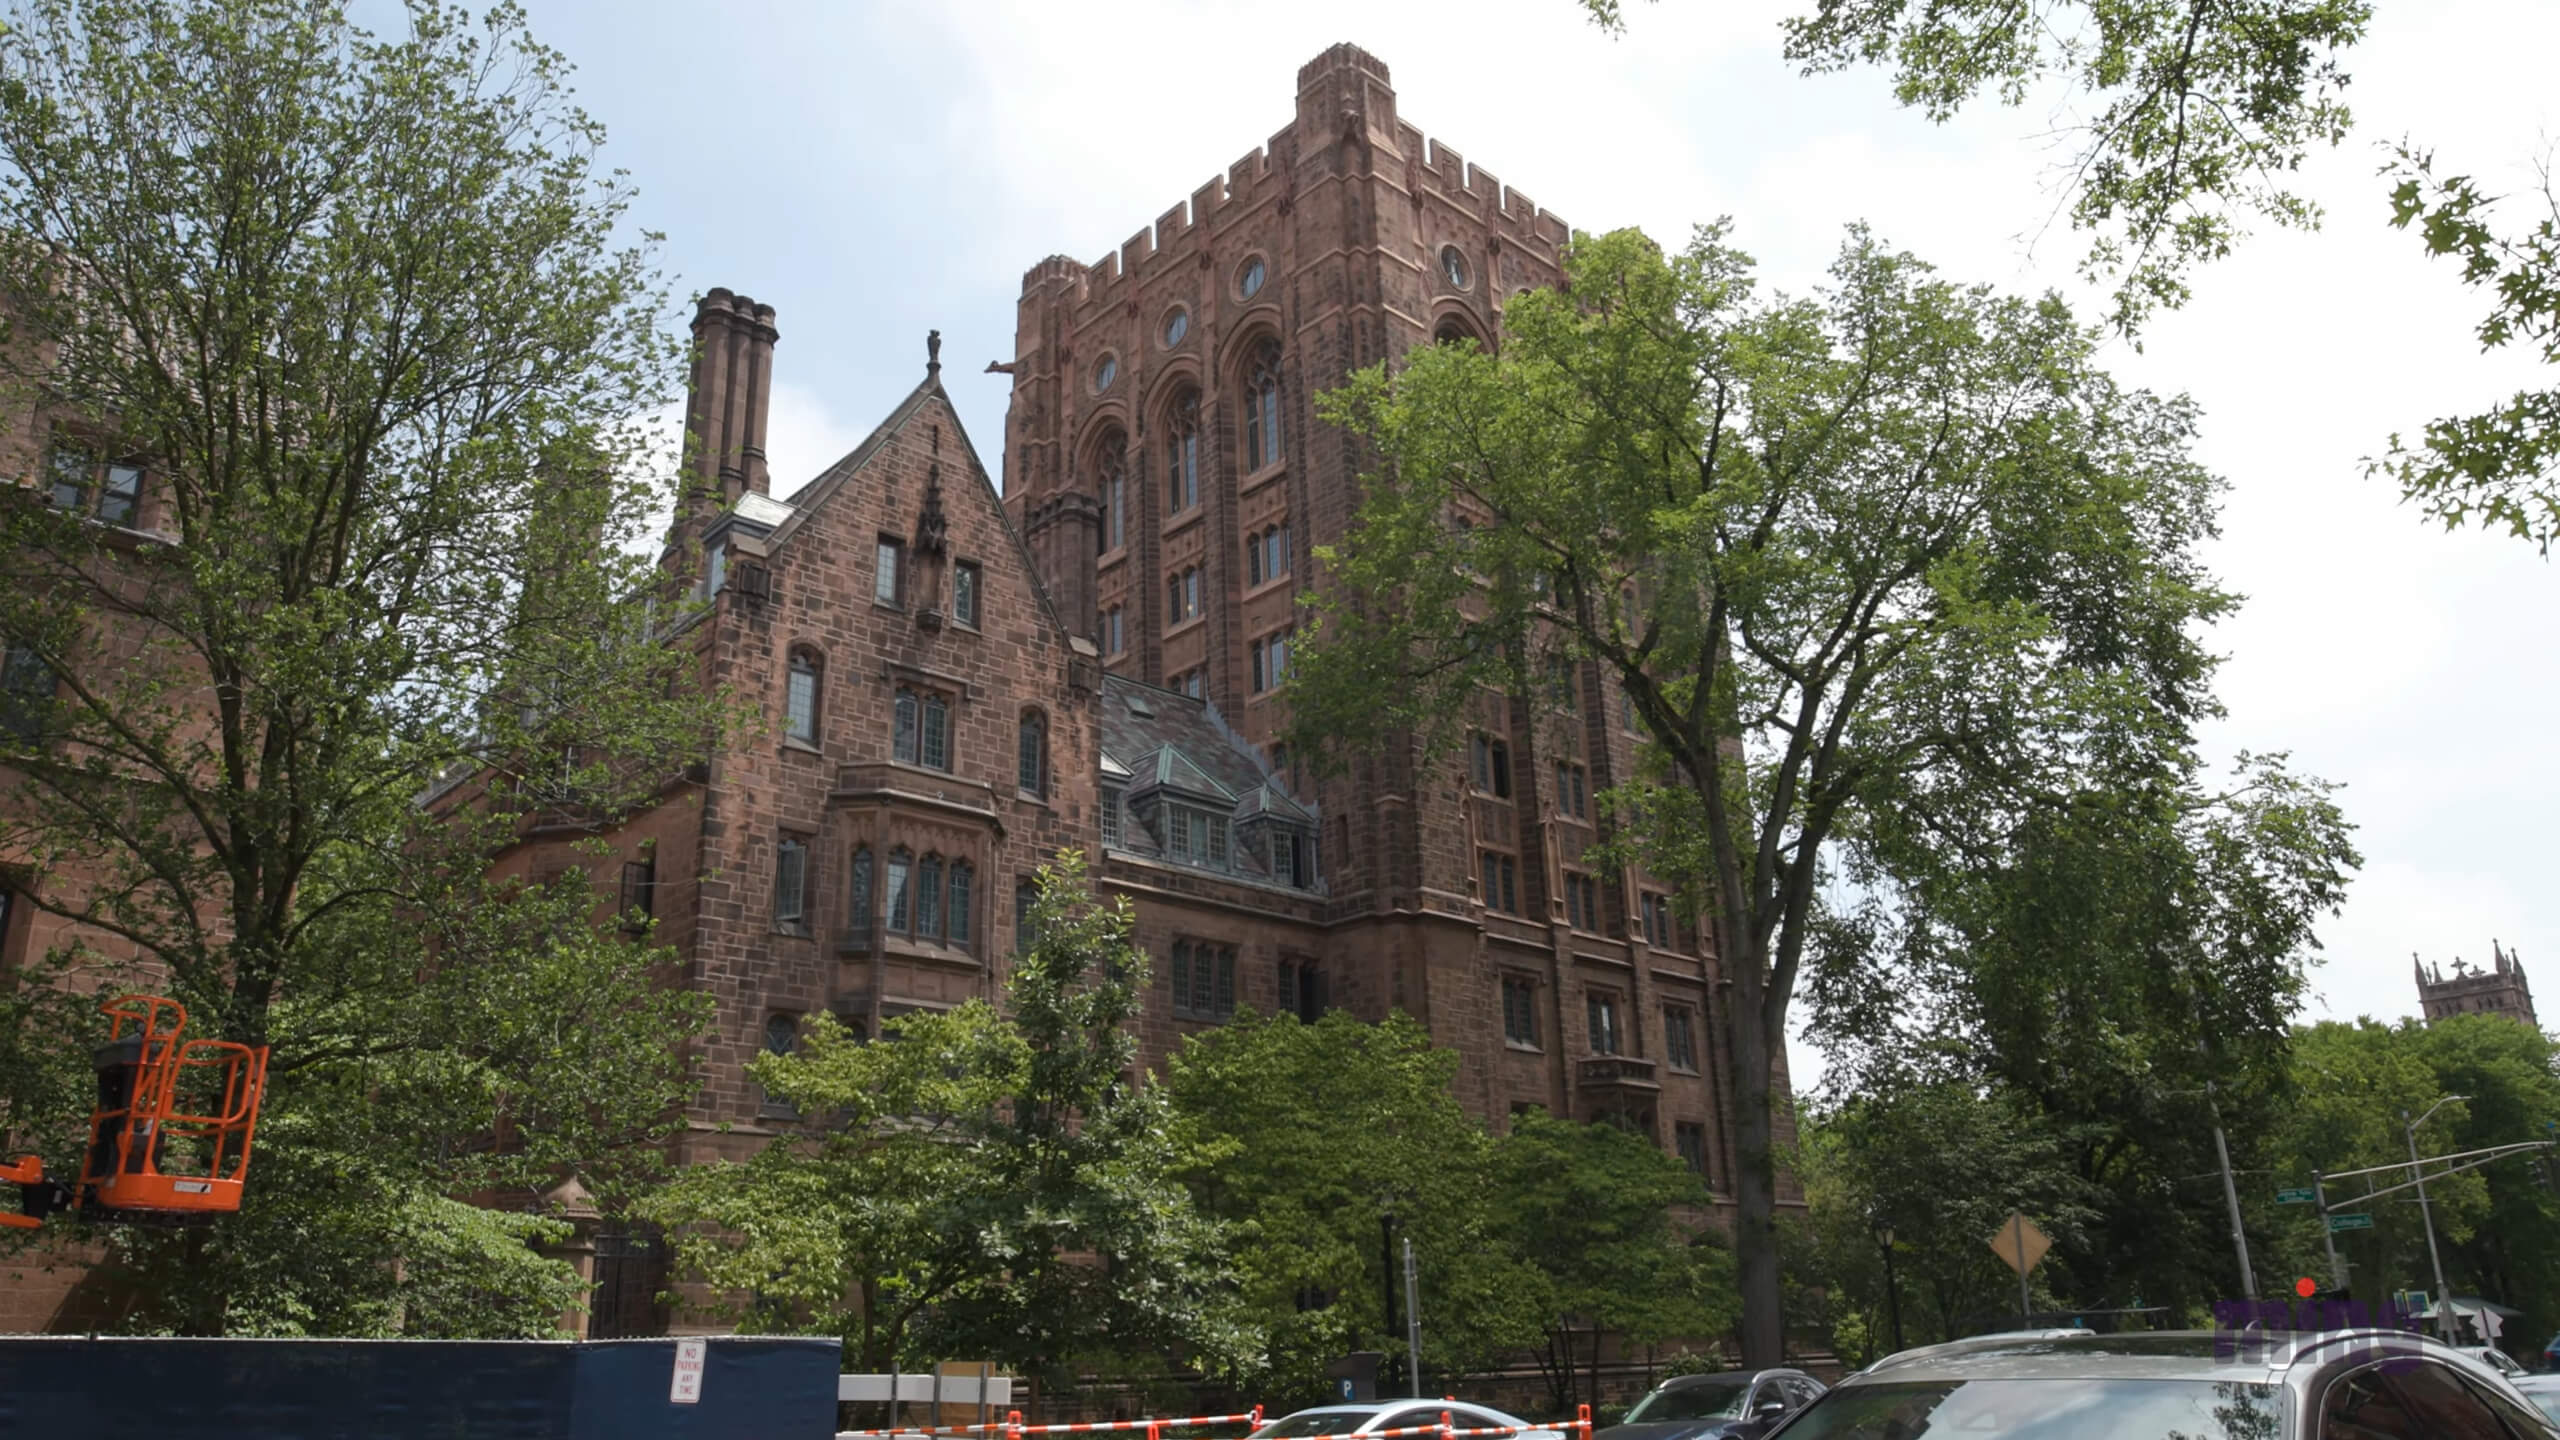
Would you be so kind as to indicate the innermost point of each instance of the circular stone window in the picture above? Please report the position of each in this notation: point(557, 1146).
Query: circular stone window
point(1176, 325)
point(1249, 279)
point(1105, 370)
point(1453, 267)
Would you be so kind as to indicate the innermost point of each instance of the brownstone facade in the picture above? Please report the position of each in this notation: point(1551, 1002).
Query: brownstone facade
point(1163, 457)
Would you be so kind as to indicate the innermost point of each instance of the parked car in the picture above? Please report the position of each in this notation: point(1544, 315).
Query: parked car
point(1729, 1405)
point(2543, 1391)
point(1368, 1417)
point(2496, 1359)
point(2177, 1385)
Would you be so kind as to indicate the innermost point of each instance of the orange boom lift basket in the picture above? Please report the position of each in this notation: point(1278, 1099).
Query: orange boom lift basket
point(149, 1159)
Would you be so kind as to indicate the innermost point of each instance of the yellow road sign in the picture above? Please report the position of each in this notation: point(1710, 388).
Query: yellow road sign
point(2019, 1242)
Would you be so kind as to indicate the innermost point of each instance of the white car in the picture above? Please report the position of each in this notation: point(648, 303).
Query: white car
point(1368, 1417)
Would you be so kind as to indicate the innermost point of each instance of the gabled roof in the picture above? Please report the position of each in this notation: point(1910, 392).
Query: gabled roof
point(812, 497)
point(1269, 801)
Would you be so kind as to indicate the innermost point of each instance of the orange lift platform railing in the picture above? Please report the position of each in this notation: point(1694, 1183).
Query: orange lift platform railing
point(149, 1161)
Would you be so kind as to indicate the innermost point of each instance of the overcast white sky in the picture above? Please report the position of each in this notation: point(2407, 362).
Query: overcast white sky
point(875, 170)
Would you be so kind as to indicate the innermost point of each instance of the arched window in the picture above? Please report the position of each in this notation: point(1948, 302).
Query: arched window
point(781, 1037)
point(1026, 901)
point(1262, 407)
point(1112, 481)
point(800, 698)
point(899, 864)
point(903, 747)
point(782, 1034)
point(929, 898)
point(1182, 454)
point(937, 733)
point(861, 917)
point(1031, 755)
point(962, 878)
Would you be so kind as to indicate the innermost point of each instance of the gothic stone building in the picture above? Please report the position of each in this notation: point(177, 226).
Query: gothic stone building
point(2498, 990)
point(1164, 462)
point(959, 681)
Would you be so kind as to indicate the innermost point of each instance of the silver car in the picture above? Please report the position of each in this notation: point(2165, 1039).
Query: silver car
point(1368, 1417)
point(2176, 1385)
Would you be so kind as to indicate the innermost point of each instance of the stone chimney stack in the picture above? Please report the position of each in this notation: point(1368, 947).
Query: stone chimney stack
point(727, 401)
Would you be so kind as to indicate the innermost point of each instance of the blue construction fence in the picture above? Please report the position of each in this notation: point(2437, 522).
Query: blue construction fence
point(741, 1388)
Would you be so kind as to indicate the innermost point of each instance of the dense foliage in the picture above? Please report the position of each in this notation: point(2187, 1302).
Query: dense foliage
point(976, 1184)
point(357, 309)
point(2201, 113)
point(1889, 578)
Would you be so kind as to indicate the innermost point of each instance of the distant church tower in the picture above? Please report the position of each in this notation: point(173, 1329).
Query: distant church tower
point(2498, 990)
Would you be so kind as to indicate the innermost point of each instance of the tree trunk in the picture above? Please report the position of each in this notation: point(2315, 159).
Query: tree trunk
point(1755, 1186)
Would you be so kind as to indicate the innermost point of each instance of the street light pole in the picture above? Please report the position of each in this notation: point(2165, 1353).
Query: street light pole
point(2328, 1237)
point(1892, 1291)
point(2444, 1296)
point(2231, 1197)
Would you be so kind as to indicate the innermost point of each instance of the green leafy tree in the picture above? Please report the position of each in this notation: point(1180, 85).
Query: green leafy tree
point(1939, 1163)
point(1302, 1139)
point(978, 1185)
point(2499, 468)
point(2498, 1227)
point(357, 308)
point(2202, 112)
point(1597, 1214)
point(2188, 919)
point(1897, 554)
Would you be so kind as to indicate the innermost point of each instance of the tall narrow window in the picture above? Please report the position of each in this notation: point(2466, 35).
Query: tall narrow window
point(1115, 495)
point(884, 575)
point(903, 747)
point(27, 688)
point(1115, 639)
point(119, 494)
point(1600, 1008)
point(1489, 764)
point(1519, 1010)
point(1679, 1037)
point(929, 898)
point(1262, 408)
point(1691, 1139)
point(937, 733)
point(1111, 831)
point(781, 1037)
point(1182, 455)
point(800, 699)
point(963, 883)
point(1031, 758)
point(1253, 558)
point(1026, 904)
point(859, 901)
point(899, 866)
point(70, 474)
point(790, 885)
point(639, 899)
point(964, 593)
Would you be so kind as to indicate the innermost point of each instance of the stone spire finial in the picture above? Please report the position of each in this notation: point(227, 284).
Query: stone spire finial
point(932, 354)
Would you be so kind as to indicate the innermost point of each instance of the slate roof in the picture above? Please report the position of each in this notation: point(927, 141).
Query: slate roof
point(1163, 739)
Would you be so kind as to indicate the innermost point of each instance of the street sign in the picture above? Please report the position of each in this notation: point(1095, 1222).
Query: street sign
point(2296, 1197)
point(2357, 1221)
point(686, 1387)
point(2020, 1243)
